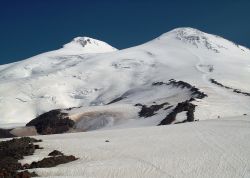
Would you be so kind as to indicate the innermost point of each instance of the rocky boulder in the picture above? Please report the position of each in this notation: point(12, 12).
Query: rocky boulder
point(52, 122)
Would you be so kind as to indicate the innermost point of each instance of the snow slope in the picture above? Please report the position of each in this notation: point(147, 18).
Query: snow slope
point(88, 73)
point(211, 148)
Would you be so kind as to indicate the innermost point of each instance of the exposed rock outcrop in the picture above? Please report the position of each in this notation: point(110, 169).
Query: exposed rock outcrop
point(13, 150)
point(52, 122)
point(230, 88)
point(184, 106)
point(196, 93)
point(148, 111)
point(52, 161)
point(55, 153)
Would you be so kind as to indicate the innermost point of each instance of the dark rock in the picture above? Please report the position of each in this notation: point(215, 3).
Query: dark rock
point(26, 166)
point(5, 133)
point(13, 150)
point(55, 153)
point(230, 88)
point(69, 109)
point(167, 108)
point(116, 100)
point(25, 174)
point(9, 164)
point(217, 83)
point(17, 148)
point(184, 106)
point(52, 122)
point(148, 111)
point(158, 83)
point(196, 93)
point(52, 161)
point(106, 140)
point(37, 147)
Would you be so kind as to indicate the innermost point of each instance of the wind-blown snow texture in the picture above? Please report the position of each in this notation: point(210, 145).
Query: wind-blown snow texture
point(211, 148)
point(91, 74)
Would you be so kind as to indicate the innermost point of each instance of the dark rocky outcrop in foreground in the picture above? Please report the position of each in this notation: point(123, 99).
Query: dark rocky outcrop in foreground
point(55, 153)
point(13, 150)
point(52, 161)
point(52, 122)
point(5, 133)
point(184, 106)
point(230, 88)
point(26, 174)
point(148, 111)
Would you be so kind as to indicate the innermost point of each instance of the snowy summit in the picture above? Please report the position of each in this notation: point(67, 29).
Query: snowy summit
point(89, 45)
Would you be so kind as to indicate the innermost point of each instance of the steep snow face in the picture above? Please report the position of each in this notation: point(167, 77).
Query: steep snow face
point(72, 77)
point(89, 45)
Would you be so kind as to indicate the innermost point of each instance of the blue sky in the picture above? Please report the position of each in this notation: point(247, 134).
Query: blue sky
point(30, 27)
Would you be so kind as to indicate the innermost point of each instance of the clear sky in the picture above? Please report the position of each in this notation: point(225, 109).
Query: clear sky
point(30, 27)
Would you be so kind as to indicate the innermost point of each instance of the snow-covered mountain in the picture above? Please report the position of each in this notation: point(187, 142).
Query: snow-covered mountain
point(88, 45)
point(98, 86)
point(182, 76)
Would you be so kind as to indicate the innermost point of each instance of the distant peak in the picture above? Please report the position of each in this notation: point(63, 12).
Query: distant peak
point(89, 45)
point(200, 39)
point(184, 32)
point(187, 30)
point(83, 41)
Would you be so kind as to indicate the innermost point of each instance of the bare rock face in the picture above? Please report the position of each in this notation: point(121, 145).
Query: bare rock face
point(55, 153)
point(184, 106)
point(148, 111)
point(26, 174)
point(13, 150)
point(229, 88)
point(52, 122)
point(196, 93)
point(52, 161)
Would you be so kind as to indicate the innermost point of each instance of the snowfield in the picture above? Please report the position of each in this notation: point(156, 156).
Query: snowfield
point(213, 148)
